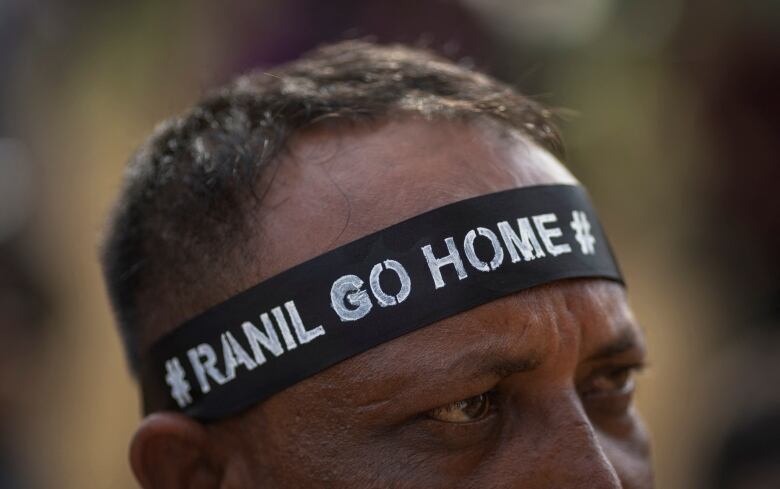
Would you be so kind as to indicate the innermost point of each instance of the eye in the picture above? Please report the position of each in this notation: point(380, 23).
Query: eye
point(610, 391)
point(463, 411)
point(612, 382)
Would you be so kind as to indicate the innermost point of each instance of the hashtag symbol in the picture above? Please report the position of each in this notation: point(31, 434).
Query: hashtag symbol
point(581, 227)
point(175, 377)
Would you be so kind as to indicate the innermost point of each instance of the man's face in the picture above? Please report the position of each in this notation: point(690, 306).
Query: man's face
point(533, 390)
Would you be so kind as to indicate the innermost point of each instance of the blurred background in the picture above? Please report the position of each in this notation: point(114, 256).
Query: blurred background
point(671, 114)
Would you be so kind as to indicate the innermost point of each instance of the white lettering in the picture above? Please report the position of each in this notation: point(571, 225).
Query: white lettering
point(526, 242)
point(348, 289)
point(471, 254)
point(303, 335)
point(256, 338)
point(435, 264)
point(234, 355)
point(548, 233)
point(283, 327)
point(204, 361)
point(382, 298)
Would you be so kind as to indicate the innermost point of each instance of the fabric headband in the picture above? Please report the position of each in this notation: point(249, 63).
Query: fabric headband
point(369, 291)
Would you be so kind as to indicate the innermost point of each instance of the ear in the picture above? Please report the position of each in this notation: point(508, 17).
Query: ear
point(172, 451)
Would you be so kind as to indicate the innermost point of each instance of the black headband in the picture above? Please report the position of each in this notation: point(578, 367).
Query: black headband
point(370, 291)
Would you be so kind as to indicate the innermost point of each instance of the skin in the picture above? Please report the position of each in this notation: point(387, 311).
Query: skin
point(554, 362)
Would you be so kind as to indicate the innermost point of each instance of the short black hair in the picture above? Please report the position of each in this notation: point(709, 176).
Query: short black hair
point(185, 189)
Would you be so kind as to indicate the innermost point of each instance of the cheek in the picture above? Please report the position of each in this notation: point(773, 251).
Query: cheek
point(630, 454)
point(301, 449)
point(333, 462)
point(284, 444)
point(560, 446)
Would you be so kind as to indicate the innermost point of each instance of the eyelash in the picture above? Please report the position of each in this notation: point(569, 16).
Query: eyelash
point(613, 374)
point(488, 397)
point(606, 402)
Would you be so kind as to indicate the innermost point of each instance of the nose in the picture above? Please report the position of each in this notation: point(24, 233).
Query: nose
point(569, 454)
point(581, 461)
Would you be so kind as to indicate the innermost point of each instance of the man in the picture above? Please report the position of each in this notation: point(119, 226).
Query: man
point(368, 268)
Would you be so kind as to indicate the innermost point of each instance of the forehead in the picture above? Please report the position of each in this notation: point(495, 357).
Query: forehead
point(554, 333)
point(564, 323)
point(336, 185)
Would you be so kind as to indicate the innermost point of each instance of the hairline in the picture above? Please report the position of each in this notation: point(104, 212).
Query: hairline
point(241, 91)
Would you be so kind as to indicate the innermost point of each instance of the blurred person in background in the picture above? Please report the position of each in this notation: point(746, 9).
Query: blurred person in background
point(529, 390)
point(737, 74)
point(23, 311)
point(749, 457)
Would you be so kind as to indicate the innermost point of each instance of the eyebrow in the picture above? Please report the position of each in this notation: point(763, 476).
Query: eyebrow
point(626, 341)
point(478, 364)
point(482, 365)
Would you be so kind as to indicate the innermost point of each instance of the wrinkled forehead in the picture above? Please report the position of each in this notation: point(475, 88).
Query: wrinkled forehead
point(336, 185)
point(530, 323)
point(562, 324)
